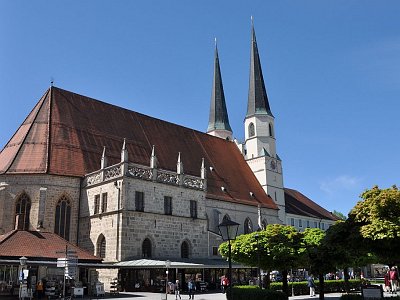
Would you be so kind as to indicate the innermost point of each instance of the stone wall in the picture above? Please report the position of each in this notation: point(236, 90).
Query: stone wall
point(44, 191)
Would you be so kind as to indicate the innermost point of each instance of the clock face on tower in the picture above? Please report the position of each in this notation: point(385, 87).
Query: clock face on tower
point(273, 165)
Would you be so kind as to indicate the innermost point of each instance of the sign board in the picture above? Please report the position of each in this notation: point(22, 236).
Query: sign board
point(70, 271)
point(62, 262)
point(372, 292)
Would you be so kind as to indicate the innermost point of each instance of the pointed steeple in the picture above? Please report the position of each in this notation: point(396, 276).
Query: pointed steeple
point(153, 159)
point(179, 165)
point(258, 99)
point(218, 120)
point(124, 152)
point(203, 170)
point(104, 158)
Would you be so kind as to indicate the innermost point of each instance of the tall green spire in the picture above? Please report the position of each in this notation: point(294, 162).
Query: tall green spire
point(258, 99)
point(218, 119)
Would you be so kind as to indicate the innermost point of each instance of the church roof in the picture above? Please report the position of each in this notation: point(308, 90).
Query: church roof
point(298, 204)
point(65, 134)
point(38, 245)
point(218, 113)
point(258, 99)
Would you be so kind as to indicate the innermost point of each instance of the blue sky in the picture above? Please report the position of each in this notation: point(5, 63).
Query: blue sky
point(331, 68)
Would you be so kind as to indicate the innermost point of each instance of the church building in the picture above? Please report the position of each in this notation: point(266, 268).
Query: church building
point(136, 191)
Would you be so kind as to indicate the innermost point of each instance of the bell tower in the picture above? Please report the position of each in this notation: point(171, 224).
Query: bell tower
point(259, 125)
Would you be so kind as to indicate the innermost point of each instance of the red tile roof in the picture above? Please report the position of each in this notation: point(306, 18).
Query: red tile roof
point(37, 245)
point(65, 134)
point(298, 204)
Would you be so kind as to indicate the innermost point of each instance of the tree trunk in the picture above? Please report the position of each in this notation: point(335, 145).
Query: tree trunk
point(321, 286)
point(267, 281)
point(285, 287)
point(346, 279)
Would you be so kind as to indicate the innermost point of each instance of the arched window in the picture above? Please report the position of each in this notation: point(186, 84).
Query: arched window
point(22, 211)
point(101, 246)
point(271, 133)
point(146, 248)
point(63, 218)
point(251, 130)
point(226, 218)
point(185, 250)
point(248, 226)
point(264, 224)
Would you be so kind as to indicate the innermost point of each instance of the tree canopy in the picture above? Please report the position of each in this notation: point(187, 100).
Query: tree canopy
point(377, 217)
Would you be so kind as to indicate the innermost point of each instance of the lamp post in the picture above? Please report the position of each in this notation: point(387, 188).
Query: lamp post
point(167, 265)
point(228, 230)
point(258, 261)
point(22, 262)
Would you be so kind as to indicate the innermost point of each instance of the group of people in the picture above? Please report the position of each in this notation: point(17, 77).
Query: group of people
point(177, 287)
point(391, 280)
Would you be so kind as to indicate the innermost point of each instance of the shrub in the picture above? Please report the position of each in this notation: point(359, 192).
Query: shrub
point(351, 297)
point(330, 286)
point(246, 292)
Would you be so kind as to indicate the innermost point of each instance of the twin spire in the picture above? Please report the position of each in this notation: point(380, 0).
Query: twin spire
point(257, 98)
point(218, 114)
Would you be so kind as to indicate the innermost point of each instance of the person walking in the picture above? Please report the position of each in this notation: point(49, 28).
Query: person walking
point(311, 285)
point(39, 289)
point(394, 279)
point(177, 290)
point(191, 288)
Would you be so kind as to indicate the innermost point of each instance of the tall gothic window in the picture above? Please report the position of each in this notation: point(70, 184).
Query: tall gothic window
point(185, 250)
point(226, 218)
point(251, 130)
point(167, 205)
point(248, 226)
point(271, 133)
point(193, 209)
point(146, 248)
point(139, 201)
point(63, 218)
point(264, 224)
point(96, 204)
point(101, 246)
point(104, 202)
point(22, 211)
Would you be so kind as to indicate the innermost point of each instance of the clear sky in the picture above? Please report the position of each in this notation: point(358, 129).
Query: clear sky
point(331, 68)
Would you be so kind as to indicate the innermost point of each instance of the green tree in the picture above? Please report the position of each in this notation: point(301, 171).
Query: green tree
point(340, 215)
point(317, 255)
point(278, 249)
point(377, 218)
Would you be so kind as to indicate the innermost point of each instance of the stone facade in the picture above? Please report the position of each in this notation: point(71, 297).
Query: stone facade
point(125, 227)
point(44, 192)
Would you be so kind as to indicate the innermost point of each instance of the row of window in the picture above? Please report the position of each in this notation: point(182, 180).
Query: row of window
point(248, 225)
point(147, 248)
point(308, 224)
point(139, 204)
point(252, 132)
point(62, 215)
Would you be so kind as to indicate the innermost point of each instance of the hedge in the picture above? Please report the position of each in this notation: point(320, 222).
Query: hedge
point(330, 286)
point(246, 292)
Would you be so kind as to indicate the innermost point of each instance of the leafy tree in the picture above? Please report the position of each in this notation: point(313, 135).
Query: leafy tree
point(340, 215)
point(377, 218)
point(318, 255)
point(278, 249)
point(345, 245)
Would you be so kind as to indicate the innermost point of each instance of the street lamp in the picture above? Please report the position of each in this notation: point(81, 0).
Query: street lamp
point(228, 230)
point(258, 261)
point(22, 262)
point(167, 265)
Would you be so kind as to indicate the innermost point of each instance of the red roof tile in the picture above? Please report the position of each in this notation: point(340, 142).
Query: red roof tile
point(39, 245)
point(298, 204)
point(65, 134)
